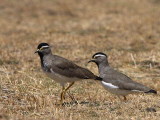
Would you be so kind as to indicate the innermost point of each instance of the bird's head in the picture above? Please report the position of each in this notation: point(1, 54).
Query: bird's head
point(99, 58)
point(43, 48)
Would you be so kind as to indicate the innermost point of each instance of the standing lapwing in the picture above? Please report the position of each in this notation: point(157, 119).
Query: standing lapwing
point(116, 82)
point(60, 69)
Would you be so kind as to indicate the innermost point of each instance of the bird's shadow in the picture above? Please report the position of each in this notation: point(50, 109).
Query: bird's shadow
point(82, 103)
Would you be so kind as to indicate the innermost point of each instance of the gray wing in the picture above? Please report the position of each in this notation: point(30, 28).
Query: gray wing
point(69, 69)
point(123, 82)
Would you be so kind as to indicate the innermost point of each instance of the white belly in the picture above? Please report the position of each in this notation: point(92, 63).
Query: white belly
point(60, 78)
point(114, 89)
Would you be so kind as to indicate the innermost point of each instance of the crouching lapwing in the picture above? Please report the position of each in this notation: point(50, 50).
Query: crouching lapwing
point(116, 82)
point(60, 69)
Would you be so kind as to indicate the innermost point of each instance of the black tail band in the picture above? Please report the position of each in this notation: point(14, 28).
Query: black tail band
point(151, 91)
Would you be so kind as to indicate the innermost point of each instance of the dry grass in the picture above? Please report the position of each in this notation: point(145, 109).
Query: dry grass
point(127, 30)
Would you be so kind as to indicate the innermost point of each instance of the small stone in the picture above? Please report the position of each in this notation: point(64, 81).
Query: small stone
point(150, 109)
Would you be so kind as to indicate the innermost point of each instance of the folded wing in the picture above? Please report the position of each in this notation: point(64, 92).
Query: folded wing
point(123, 82)
point(69, 69)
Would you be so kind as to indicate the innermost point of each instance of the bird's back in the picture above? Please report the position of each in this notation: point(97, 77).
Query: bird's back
point(68, 68)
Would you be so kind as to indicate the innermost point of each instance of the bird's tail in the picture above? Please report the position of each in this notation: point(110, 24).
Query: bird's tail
point(151, 91)
point(98, 78)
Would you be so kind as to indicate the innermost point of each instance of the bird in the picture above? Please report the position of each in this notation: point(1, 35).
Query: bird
point(114, 81)
point(61, 70)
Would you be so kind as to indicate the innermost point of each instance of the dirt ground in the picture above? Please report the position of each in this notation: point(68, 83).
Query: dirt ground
point(128, 31)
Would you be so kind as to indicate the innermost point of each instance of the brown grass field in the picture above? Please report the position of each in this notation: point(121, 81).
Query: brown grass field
point(127, 30)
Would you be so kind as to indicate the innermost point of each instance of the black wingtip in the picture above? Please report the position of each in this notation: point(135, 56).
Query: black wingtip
point(151, 91)
point(98, 78)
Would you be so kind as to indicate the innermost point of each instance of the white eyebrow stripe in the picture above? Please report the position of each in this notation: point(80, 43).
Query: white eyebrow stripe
point(45, 46)
point(99, 55)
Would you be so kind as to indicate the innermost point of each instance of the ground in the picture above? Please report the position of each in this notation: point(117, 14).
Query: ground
point(128, 31)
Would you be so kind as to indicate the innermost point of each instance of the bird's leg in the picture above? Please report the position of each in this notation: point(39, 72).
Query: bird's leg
point(64, 91)
point(125, 98)
point(69, 86)
point(71, 96)
point(62, 95)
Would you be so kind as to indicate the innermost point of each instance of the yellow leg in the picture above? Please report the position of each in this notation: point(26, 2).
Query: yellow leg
point(64, 92)
point(62, 95)
point(71, 96)
point(68, 87)
point(125, 98)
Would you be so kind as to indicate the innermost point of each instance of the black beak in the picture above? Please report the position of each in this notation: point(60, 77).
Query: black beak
point(92, 61)
point(36, 51)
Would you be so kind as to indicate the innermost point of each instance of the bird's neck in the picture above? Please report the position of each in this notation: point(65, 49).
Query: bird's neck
point(103, 66)
point(42, 57)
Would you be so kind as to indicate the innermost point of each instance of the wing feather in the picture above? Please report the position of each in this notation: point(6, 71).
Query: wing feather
point(122, 81)
point(69, 69)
